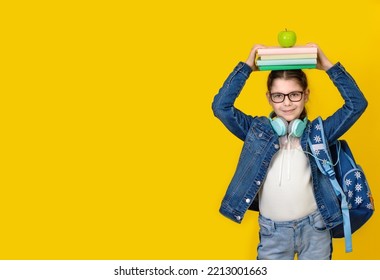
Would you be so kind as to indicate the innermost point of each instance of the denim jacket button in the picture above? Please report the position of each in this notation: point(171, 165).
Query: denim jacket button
point(276, 146)
point(238, 218)
point(258, 183)
point(248, 200)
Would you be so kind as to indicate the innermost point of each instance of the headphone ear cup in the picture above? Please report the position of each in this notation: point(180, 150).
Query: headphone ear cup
point(280, 126)
point(296, 127)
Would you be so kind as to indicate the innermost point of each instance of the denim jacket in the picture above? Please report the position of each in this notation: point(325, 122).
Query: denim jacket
point(261, 143)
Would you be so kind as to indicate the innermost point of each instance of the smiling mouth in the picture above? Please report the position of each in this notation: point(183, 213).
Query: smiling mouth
point(288, 111)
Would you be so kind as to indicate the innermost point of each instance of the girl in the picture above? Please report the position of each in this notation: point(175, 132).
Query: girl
point(276, 174)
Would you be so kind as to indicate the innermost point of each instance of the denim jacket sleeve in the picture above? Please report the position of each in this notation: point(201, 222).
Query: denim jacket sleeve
point(223, 104)
point(354, 103)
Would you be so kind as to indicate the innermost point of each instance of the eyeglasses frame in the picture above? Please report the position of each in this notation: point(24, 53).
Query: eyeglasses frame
point(286, 95)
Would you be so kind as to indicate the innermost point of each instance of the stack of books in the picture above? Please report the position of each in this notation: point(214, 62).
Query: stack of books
point(276, 58)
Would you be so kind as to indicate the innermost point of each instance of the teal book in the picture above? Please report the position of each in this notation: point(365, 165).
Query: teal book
point(287, 67)
point(296, 61)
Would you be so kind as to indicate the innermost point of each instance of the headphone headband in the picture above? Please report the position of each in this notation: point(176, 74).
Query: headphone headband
point(281, 126)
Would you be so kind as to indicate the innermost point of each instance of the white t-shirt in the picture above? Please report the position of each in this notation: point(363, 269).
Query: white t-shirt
point(287, 193)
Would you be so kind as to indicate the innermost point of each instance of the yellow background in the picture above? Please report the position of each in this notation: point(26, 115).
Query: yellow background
point(109, 148)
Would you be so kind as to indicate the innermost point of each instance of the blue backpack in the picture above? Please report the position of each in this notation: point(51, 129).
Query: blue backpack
point(350, 185)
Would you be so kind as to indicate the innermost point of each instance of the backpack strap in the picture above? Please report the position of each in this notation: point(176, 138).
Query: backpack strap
point(319, 148)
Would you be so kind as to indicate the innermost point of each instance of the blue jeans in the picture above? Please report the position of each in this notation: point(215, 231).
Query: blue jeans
point(307, 238)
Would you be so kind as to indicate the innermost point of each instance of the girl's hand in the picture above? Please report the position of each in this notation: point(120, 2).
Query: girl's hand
point(323, 63)
point(252, 56)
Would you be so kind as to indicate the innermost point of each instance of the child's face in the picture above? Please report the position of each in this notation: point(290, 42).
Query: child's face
point(289, 110)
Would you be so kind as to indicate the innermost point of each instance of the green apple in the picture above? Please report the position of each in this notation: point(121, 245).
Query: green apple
point(287, 38)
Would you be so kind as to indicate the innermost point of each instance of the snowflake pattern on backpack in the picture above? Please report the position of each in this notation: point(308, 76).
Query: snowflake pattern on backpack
point(356, 189)
point(318, 146)
point(354, 180)
point(337, 162)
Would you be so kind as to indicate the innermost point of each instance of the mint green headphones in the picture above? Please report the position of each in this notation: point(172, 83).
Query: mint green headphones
point(282, 127)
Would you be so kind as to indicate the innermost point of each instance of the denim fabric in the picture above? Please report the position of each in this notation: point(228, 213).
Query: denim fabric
point(307, 238)
point(261, 143)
